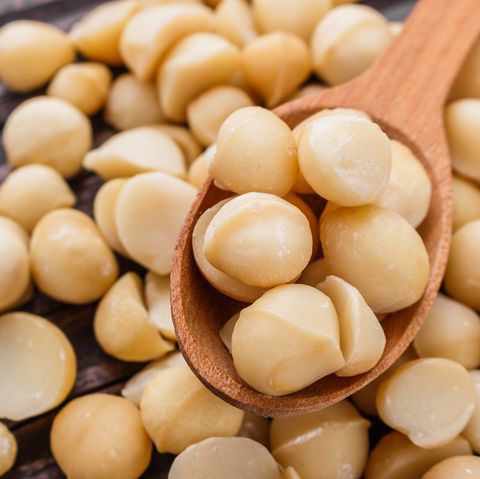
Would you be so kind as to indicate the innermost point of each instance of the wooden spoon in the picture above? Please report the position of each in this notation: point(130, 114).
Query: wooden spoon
point(404, 92)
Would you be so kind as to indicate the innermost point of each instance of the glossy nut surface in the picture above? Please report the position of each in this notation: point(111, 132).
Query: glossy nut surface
point(8, 449)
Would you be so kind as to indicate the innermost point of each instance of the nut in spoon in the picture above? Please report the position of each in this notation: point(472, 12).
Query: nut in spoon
point(404, 92)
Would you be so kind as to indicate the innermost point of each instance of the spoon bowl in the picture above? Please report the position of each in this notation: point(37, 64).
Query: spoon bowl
point(404, 92)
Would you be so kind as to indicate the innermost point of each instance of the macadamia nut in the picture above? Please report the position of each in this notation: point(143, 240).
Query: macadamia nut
point(193, 66)
point(218, 458)
point(198, 172)
point(472, 430)
point(61, 142)
point(84, 85)
point(139, 150)
point(233, 19)
point(430, 400)
point(256, 428)
point(8, 449)
point(466, 202)
point(151, 32)
point(462, 122)
point(30, 54)
point(459, 467)
point(345, 159)
point(122, 324)
point(331, 443)
point(178, 411)
point(205, 121)
point(135, 386)
point(347, 41)
point(100, 436)
point(157, 296)
point(255, 152)
point(467, 84)
point(37, 366)
point(259, 239)
point(362, 339)
point(15, 279)
point(104, 213)
point(149, 214)
point(377, 252)
point(31, 191)
point(286, 340)
point(227, 285)
point(462, 277)
point(314, 273)
point(409, 188)
point(275, 65)
point(299, 18)
point(70, 260)
point(450, 331)
point(97, 35)
point(396, 457)
point(132, 103)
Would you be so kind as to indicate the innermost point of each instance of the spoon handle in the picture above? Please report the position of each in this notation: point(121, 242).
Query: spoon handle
point(414, 77)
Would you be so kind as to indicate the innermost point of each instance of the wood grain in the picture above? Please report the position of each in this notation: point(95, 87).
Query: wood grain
point(96, 370)
point(404, 92)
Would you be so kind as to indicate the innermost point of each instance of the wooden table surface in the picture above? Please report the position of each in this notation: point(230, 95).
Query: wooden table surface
point(96, 370)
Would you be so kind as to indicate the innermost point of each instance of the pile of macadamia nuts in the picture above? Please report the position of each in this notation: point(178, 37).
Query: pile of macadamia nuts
point(189, 97)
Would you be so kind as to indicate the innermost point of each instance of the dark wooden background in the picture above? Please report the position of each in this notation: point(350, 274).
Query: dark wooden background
point(96, 370)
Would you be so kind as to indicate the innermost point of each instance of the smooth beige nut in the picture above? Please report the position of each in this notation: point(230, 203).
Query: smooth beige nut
point(15, 228)
point(150, 212)
point(15, 278)
point(307, 90)
point(104, 213)
point(290, 473)
point(462, 123)
point(395, 457)
point(63, 140)
point(256, 428)
point(302, 205)
point(409, 188)
point(275, 65)
point(362, 339)
point(205, 121)
point(462, 277)
point(37, 366)
point(178, 411)
point(467, 84)
point(8, 449)
point(132, 103)
point(299, 18)
point(218, 458)
point(135, 151)
point(450, 331)
point(466, 202)
point(227, 285)
point(194, 65)
point(331, 443)
point(157, 296)
point(255, 152)
point(472, 430)
point(97, 35)
point(122, 324)
point(198, 172)
point(345, 159)
point(233, 19)
point(286, 340)
point(100, 436)
point(259, 239)
point(459, 467)
point(84, 85)
point(30, 54)
point(379, 253)
point(185, 140)
point(150, 33)
point(30, 192)
point(314, 273)
point(226, 331)
point(70, 260)
point(135, 386)
point(430, 400)
point(365, 398)
point(347, 41)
